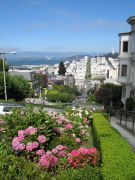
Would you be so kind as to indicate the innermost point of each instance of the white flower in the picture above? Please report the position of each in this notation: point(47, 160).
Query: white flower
point(86, 112)
point(73, 108)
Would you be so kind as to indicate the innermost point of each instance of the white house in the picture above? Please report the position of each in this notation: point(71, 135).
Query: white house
point(126, 75)
point(30, 76)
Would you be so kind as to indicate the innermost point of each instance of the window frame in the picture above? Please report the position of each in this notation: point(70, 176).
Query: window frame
point(124, 72)
point(125, 46)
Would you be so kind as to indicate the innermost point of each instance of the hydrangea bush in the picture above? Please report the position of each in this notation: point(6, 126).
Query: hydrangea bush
point(51, 140)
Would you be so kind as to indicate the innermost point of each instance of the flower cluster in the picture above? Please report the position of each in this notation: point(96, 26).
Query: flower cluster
point(83, 155)
point(50, 158)
point(36, 142)
point(17, 142)
point(75, 124)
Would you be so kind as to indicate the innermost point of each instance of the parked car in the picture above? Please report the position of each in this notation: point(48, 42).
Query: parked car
point(7, 109)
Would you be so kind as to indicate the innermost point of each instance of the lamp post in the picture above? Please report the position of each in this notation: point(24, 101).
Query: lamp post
point(4, 73)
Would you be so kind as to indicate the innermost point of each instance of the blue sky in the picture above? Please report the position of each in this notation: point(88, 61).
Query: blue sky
point(63, 25)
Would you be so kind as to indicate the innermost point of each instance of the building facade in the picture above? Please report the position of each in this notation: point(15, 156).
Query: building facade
point(126, 75)
point(30, 76)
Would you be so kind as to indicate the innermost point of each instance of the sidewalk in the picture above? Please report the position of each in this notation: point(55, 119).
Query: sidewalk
point(127, 134)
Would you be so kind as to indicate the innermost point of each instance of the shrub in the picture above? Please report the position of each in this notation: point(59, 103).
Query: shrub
point(61, 93)
point(39, 145)
point(53, 95)
point(129, 104)
point(65, 97)
point(87, 173)
point(117, 157)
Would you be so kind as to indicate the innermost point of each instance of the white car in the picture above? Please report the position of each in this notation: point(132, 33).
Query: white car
point(4, 109)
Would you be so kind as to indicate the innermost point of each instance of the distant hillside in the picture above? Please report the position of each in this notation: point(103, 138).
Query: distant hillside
point(47, 55)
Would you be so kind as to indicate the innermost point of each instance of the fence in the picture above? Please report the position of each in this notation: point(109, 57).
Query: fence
point(127, 116)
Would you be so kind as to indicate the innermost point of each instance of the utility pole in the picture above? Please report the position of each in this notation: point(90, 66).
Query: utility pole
point(4, 74)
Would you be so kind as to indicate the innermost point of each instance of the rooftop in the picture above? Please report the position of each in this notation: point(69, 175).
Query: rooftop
point(131, 20)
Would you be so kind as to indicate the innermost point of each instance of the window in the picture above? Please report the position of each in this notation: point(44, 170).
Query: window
point(125, 46)
point(124, 70)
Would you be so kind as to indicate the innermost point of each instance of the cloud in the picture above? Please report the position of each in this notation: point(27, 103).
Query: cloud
point(60, 13)
point(37, 26)
point(80, 25)
point(102, 23)
point(9, 49)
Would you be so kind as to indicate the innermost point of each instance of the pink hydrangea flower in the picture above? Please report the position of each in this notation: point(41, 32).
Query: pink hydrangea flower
point(83, 150)
point(48, 161)
point(48, 153)
point(75, 152)
point(54, 150)
point(21, 132)
point(78, 140)
point(21, 137)
point(44, 162)
point(2, 129)
point(92, 150)
point(21, 146)
point(61, 147)
point(35, 144)
point(41, 138)
point(40, 152)
point(30, 146)
point(16, 145)
point(62, 153)
point(69, 126)
point(30, 130)
point(70, 160)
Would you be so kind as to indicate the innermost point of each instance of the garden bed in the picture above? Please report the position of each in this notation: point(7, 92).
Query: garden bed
point(39, 145)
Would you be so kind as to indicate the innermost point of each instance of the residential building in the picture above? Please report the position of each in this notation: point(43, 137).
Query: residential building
point(126, 75)
point(30, 76)
point(69, 80)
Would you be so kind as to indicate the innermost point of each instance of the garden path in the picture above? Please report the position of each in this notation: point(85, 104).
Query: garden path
point(130, 137)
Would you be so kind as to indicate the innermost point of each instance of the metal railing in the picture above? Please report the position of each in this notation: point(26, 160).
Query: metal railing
point(126, 114)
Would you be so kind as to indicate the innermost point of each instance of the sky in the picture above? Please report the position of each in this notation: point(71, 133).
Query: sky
point(63, 25)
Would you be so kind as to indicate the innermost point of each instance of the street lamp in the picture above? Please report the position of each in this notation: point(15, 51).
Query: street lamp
point(4, 74)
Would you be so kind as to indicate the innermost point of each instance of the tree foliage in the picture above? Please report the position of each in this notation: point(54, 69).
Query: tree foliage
point(1, 65)
point(17, 87)
point(61, 93)
point(62, 69)
point(109, 93)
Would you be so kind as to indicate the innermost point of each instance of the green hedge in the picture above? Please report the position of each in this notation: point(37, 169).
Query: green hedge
point(117, 157)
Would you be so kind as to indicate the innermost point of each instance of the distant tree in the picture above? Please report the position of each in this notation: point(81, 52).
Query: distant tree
point(62, 69)
point(109, 93)
point(17, 87)
point(43, 80)
point(1, 65)
point(62, 93)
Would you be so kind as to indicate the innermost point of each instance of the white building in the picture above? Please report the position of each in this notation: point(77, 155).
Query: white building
point(127, 61)
point(69, 80)
point(30, 76)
